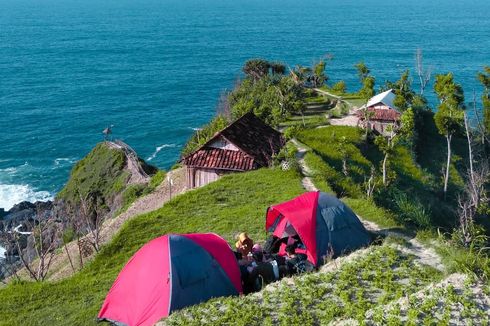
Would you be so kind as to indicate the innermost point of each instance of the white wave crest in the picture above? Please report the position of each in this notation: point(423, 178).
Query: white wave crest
point(158, 149)
point(195, 129)
point(64, 161)
point(14, 194)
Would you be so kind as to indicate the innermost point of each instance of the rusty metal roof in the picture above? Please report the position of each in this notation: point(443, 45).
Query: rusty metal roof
point(215, 158)
point(257, 143)
point(385, 114)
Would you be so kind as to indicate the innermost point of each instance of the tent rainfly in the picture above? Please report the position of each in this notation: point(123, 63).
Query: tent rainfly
point(326, 226)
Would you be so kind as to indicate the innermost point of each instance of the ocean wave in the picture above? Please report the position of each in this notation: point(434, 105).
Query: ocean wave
point(64, 161)
point(13, 194)
point(158, 149)
point(194, 128)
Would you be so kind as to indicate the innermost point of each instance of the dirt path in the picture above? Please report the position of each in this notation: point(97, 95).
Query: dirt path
point(306, 181)
point(61, 267)
point(323, 92)
point(349, 120)
point(424, 254)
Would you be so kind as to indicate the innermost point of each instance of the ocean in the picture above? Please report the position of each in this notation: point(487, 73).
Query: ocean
point(154, 69)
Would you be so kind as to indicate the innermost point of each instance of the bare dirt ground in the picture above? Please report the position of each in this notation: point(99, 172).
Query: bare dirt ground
point(61, 267)
point(349, 120)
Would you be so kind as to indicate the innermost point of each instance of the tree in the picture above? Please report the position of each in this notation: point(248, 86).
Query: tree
point(362, 71)
point(342, 147)
point(484, 78)
point(423, 73)
point(450, 115)
point(44, 239)
point(318, 78)
point(277, 68)
point(387, 144)
point(271, 98)
point(339, 87)
point(367, 90)
point(402, 88)
point(255, 69)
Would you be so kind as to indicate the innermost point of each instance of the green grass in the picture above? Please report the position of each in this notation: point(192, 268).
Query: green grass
point(324, 144)
point(234, 203)
point(378, 276)
point(135, 191)
point(441, 305)
point(410, 174)
point(102, 170)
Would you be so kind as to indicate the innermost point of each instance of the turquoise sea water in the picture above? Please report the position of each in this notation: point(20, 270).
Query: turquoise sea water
point(154, 69)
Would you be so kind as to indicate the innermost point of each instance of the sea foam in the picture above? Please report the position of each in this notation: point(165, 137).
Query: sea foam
point(158, 149)
point(13, 194)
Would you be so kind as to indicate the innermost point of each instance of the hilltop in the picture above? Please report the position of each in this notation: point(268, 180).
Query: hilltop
point(418, 269)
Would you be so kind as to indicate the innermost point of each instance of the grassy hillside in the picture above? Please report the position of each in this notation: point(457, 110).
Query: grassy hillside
point(377, 276)
point(101, 170)
point(234, 203)
point(418, 176)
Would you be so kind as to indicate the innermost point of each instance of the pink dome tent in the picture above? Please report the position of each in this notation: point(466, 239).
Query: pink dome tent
point(169, 273)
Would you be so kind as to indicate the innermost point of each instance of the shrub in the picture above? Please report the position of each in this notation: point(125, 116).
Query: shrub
point(411, 210)
point(339, 87)
point(156, 179)
point(132, 193)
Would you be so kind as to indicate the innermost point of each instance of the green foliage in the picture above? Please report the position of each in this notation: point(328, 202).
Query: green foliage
point(101, 171)
point(472, 258)
point(367, 209)
point(448, 91)
point(381, 275)
point(340, 87)
point(325, 159)
point(404, 94)
point(230, 205)
point(484, 78)
point(271, 98)
point(449, 119)
point(319, 77)
point(367, 90)
point(203, 135)
point(412, 211)
point(132, 193)
point(319, 171)
point(157, 179)
point(255, 69)
point(323, 142)
point(362, 71)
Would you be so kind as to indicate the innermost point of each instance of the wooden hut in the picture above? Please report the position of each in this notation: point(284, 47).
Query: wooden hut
point(384, 113)
point(246, 144)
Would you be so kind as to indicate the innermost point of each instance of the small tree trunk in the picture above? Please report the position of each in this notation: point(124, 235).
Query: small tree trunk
point(80, 251)
point(446, 176)
point(69, 257)
point(470, 152)
point(384, 169)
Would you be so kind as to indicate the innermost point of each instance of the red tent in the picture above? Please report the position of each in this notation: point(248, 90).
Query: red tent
point(170, 273)
point(325, 225)
point(301, 214)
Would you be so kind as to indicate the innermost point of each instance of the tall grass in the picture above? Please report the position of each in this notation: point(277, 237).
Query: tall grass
point(232, 204)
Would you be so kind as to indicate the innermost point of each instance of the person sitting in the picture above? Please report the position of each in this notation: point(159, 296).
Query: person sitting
point(295, 261)
point(244, 244)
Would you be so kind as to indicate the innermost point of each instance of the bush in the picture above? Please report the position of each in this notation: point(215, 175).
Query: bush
point(156, 180)
point(411, 210)
point(132, 193)
point(293, 131)
point(339, 87)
